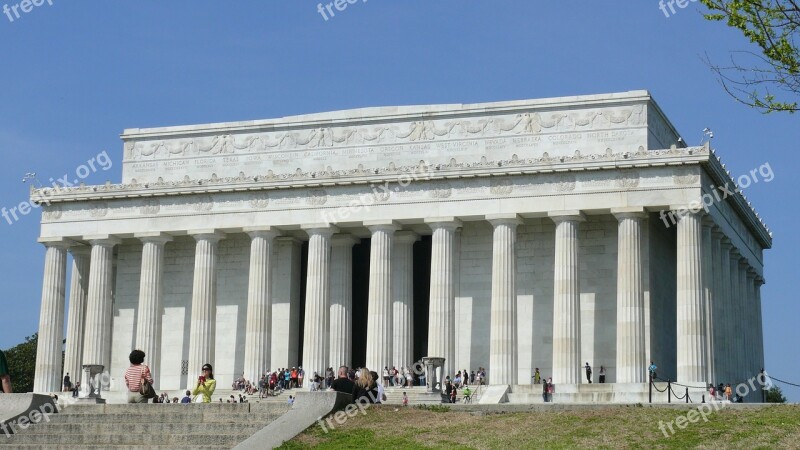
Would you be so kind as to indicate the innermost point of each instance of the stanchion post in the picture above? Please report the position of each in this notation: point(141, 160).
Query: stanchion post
point(669, 391)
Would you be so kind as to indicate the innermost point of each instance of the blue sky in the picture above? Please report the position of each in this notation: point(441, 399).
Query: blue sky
point(75, 74)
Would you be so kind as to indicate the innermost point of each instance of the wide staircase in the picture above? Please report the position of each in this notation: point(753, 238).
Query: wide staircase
point(148, 426)
point(417, 395)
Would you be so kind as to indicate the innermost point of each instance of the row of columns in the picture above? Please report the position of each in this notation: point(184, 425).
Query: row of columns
point(709, 272)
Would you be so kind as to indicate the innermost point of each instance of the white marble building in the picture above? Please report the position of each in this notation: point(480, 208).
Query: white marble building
point(508, 235)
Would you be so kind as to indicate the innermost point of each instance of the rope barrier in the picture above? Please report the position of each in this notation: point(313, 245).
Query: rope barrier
point(657, 389)
point(783, 382)
point(677, 397)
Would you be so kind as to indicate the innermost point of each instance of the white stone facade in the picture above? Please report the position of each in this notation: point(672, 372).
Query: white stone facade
point(542, 220)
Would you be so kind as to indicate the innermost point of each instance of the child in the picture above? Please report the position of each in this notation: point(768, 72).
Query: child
point(290, 401)
point(405, 399)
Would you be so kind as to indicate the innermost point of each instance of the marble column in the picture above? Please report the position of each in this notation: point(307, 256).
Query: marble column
point(725, 322)
point(708, 292)
point(341, 337)
point(259, 302)
point(733, 309)
point(503, 329)
point(750, 325)
point(691, 338)
point(567, 299)
point(151, 301)
point(743, 325)
point(759, 281)
point(76, 316)
point(441, 313)
point(203, 325)
point(717, 299)
point(631, 351)
point(316, 335)
point(51, 319)
point(379, 308)
point(403, 299)
point(97, 341)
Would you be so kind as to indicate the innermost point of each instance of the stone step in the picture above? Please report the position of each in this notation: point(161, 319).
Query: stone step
point(125, 438)
point(116, 447)
point(161, 428)
point(164, 416)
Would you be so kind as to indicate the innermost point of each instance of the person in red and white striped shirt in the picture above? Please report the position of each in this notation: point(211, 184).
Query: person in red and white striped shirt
point(134, 376)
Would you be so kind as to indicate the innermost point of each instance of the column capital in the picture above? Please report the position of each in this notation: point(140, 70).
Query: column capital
point(320, 229)
point(635, 212)
point(449, 223)
point(760, 281)
point(106, 240)
point(717, 233)
point(344, 240)
point(382, 225)
point(80, 250)
point(153, 238)
point(735, 253)
point(406, 237)
point(262, 232)
point(751, 273)
point(57, 242)
point(567, 216)
point(687, 210)
point(207, 235)
point(503, 219)
point(744, 263)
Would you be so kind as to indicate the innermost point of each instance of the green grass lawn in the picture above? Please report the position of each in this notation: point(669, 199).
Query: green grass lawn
point(773, 427)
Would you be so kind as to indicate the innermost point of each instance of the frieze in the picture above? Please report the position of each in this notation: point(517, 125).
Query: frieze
point(420, 131)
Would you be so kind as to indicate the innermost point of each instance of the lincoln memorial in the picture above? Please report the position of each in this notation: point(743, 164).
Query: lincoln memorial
point(511, 236)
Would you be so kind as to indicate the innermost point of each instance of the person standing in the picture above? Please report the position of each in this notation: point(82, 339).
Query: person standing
point(135, 375)
point(537, 377)
point(366, 387)
point(652, 371)
point(602, 374)
point(5, 377)
point(342, 384)
point(67, 383)
point(588, 373)
point(545, 390)
point(206, 385)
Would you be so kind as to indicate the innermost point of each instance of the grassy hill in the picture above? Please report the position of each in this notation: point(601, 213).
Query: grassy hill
point(390, 427)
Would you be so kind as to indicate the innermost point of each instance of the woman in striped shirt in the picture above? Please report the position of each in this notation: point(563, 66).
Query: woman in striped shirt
point(134, 376)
